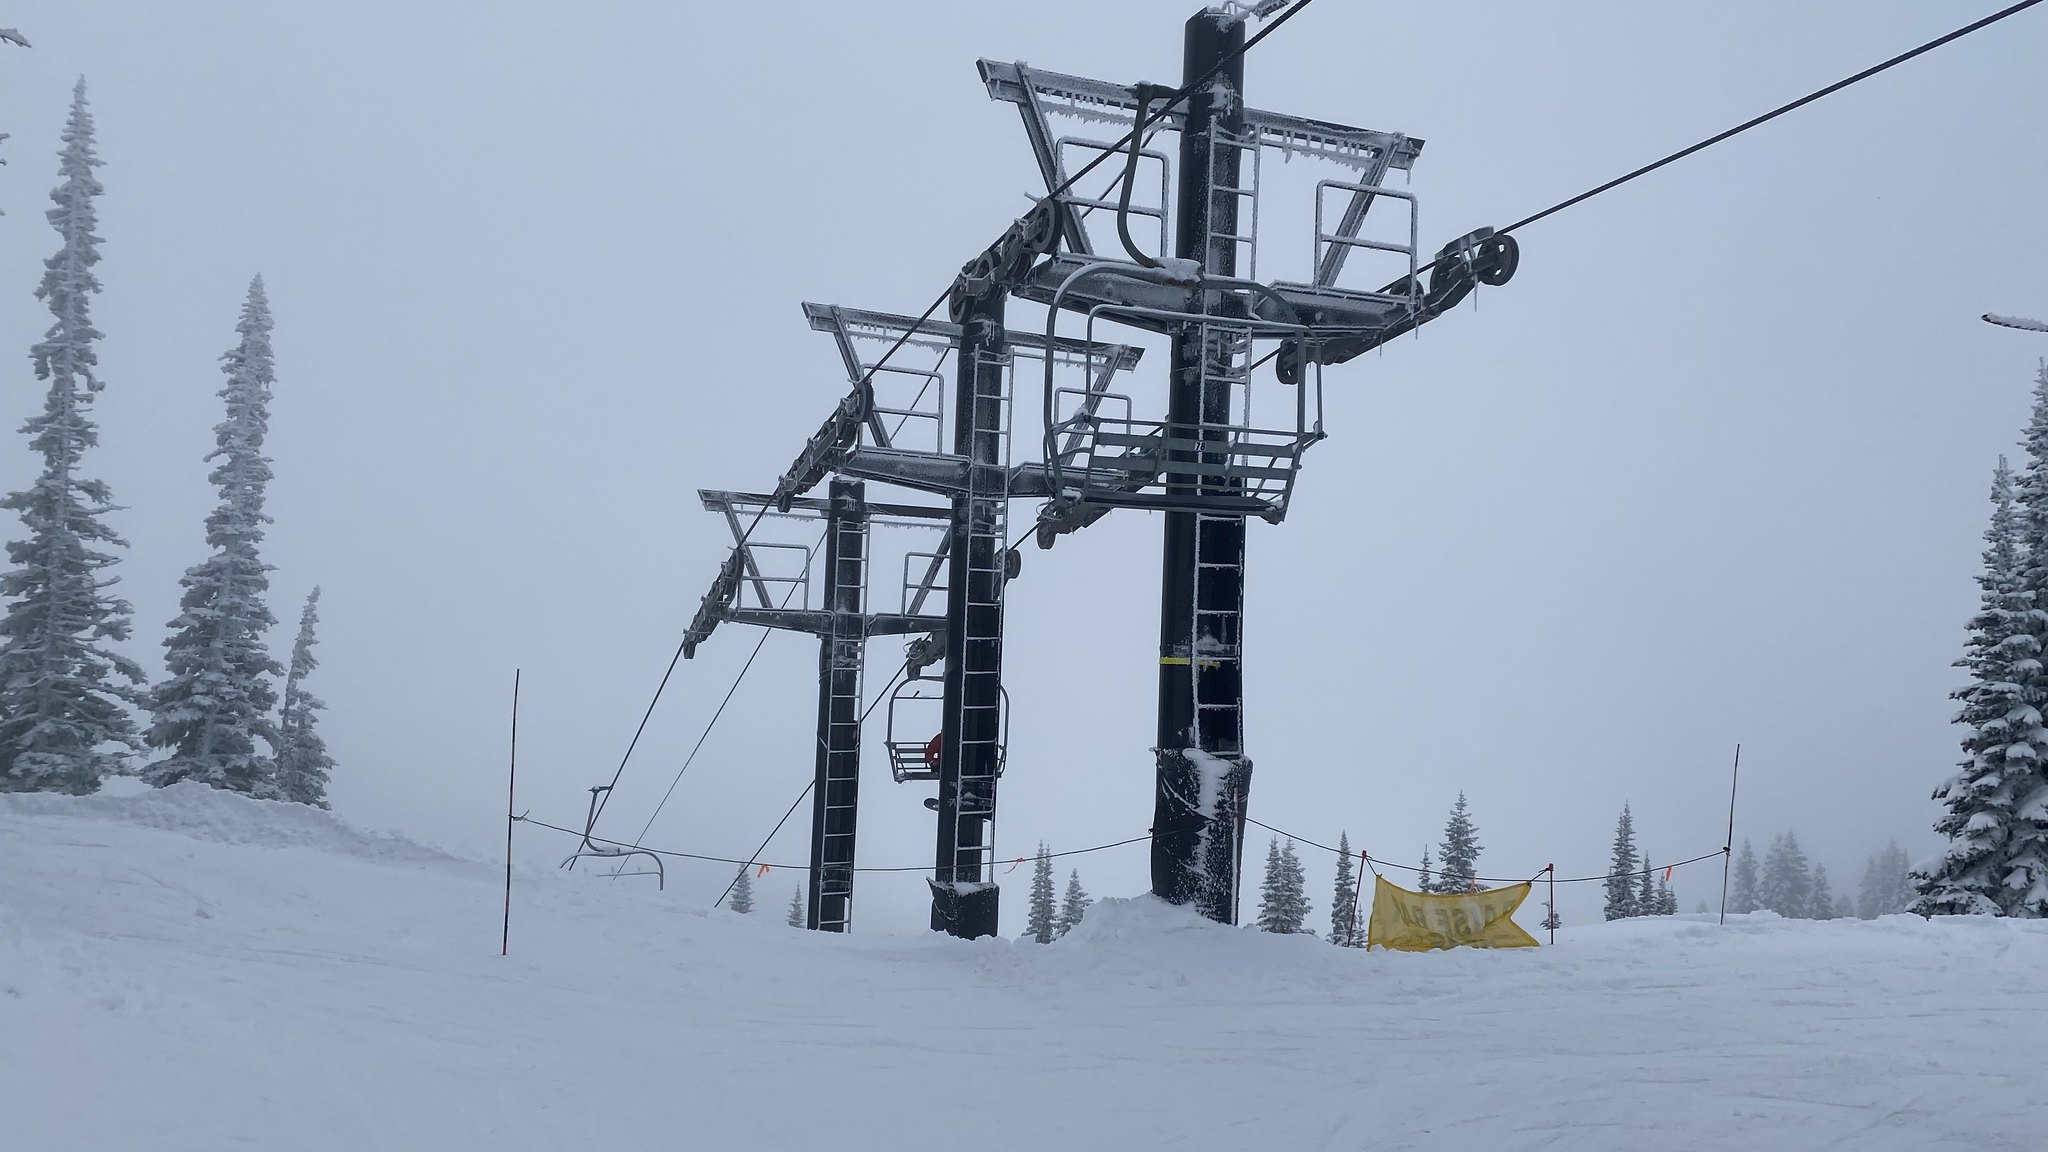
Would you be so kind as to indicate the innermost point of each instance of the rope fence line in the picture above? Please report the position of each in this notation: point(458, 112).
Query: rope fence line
point(795, 867)
point(1647, 869)
point(1366, 856)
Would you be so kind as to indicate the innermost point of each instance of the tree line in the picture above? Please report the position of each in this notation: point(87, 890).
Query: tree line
point(75, 710)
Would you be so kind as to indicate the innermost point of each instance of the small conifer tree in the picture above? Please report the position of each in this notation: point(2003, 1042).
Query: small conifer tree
point(1283, 897)
point(1458, 857)
point(795, 917)
point(1743, 896)
point(1621, 867)
point(1344, 897)
point(303, 765)
point(1039, 923)
point(1787, 886)
point(742, 898)
point(1073, 905)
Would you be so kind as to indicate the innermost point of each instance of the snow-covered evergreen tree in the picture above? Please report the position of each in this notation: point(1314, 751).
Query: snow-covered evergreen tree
point(1647, 903)
point(795, 916)
point(1073, 905)
point(1425, 881)
point(64, 690)
point(1039, 921)
point(742, 898)
point(1283, 897)
point(1344, 896)
point(1621, 868)
point(1551, 920)
point(216, 704)
point(1744, 895)
point(303, 765)
point(2025, 884)
point(1823, 905)
point(1458, 856)
point(1667, 900)
point(2003, 736)
point(1787, 886)
point(1887, 884)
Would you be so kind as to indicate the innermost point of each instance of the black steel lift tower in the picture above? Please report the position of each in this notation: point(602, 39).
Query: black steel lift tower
point(1206, 466)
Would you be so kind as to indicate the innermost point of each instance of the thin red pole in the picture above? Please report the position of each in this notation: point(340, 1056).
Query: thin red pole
point(511, 783)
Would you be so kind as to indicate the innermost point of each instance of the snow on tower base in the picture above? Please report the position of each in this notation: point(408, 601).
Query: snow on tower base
point(188, 969)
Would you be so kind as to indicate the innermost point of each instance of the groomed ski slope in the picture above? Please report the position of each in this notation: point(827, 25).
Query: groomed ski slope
point(189, 970)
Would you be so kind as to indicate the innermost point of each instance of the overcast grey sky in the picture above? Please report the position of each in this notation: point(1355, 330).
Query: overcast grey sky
point(1711, 469)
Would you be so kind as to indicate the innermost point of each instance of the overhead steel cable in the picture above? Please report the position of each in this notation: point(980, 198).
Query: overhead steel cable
point(1774, 113)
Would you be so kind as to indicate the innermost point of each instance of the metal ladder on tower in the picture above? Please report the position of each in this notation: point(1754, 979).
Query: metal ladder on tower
point(845, 585)
point(981, 728)
point(1217, 676)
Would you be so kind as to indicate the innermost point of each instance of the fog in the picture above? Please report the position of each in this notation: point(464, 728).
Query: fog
point(1712, 468)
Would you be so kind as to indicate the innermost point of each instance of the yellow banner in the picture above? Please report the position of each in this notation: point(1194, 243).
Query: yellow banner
point(1414, 922)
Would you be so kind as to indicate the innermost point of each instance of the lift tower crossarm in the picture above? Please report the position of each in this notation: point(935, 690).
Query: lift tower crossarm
point(1036, 92)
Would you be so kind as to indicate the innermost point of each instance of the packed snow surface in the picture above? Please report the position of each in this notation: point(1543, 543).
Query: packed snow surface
point(191, 970)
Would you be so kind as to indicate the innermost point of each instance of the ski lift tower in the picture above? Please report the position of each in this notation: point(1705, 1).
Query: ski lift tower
point(894, 427)
point(1205, 465)
point(842, 624)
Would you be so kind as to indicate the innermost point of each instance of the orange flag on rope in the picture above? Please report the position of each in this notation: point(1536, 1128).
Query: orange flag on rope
point(762, 872)
point(1667, 872)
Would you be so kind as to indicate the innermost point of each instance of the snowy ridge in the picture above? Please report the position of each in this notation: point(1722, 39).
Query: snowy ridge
point(261, 975)
point(206, 813)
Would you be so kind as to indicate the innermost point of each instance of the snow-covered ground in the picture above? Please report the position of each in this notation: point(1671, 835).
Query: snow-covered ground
point(190, 970)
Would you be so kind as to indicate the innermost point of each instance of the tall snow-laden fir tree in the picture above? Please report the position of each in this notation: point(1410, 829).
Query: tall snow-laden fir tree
point(1647, 902)
point(1458, 856)
point(1039, 923)
point(795, 916)
point(303, 765)
point(1283, 897)
point(1743, 896)
point(742, 898)
point(1425, 881)
point(1344, 896)
point(1822, 906)
point(2003, 736)
point(1073, 905)
point(216, 703)
point(1787, 886)
point(2025, 886)
point(64, 691)
point(1621, 867)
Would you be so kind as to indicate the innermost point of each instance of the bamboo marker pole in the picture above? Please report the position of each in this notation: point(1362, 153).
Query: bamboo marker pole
point(511, 783)
point(1728, 849)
